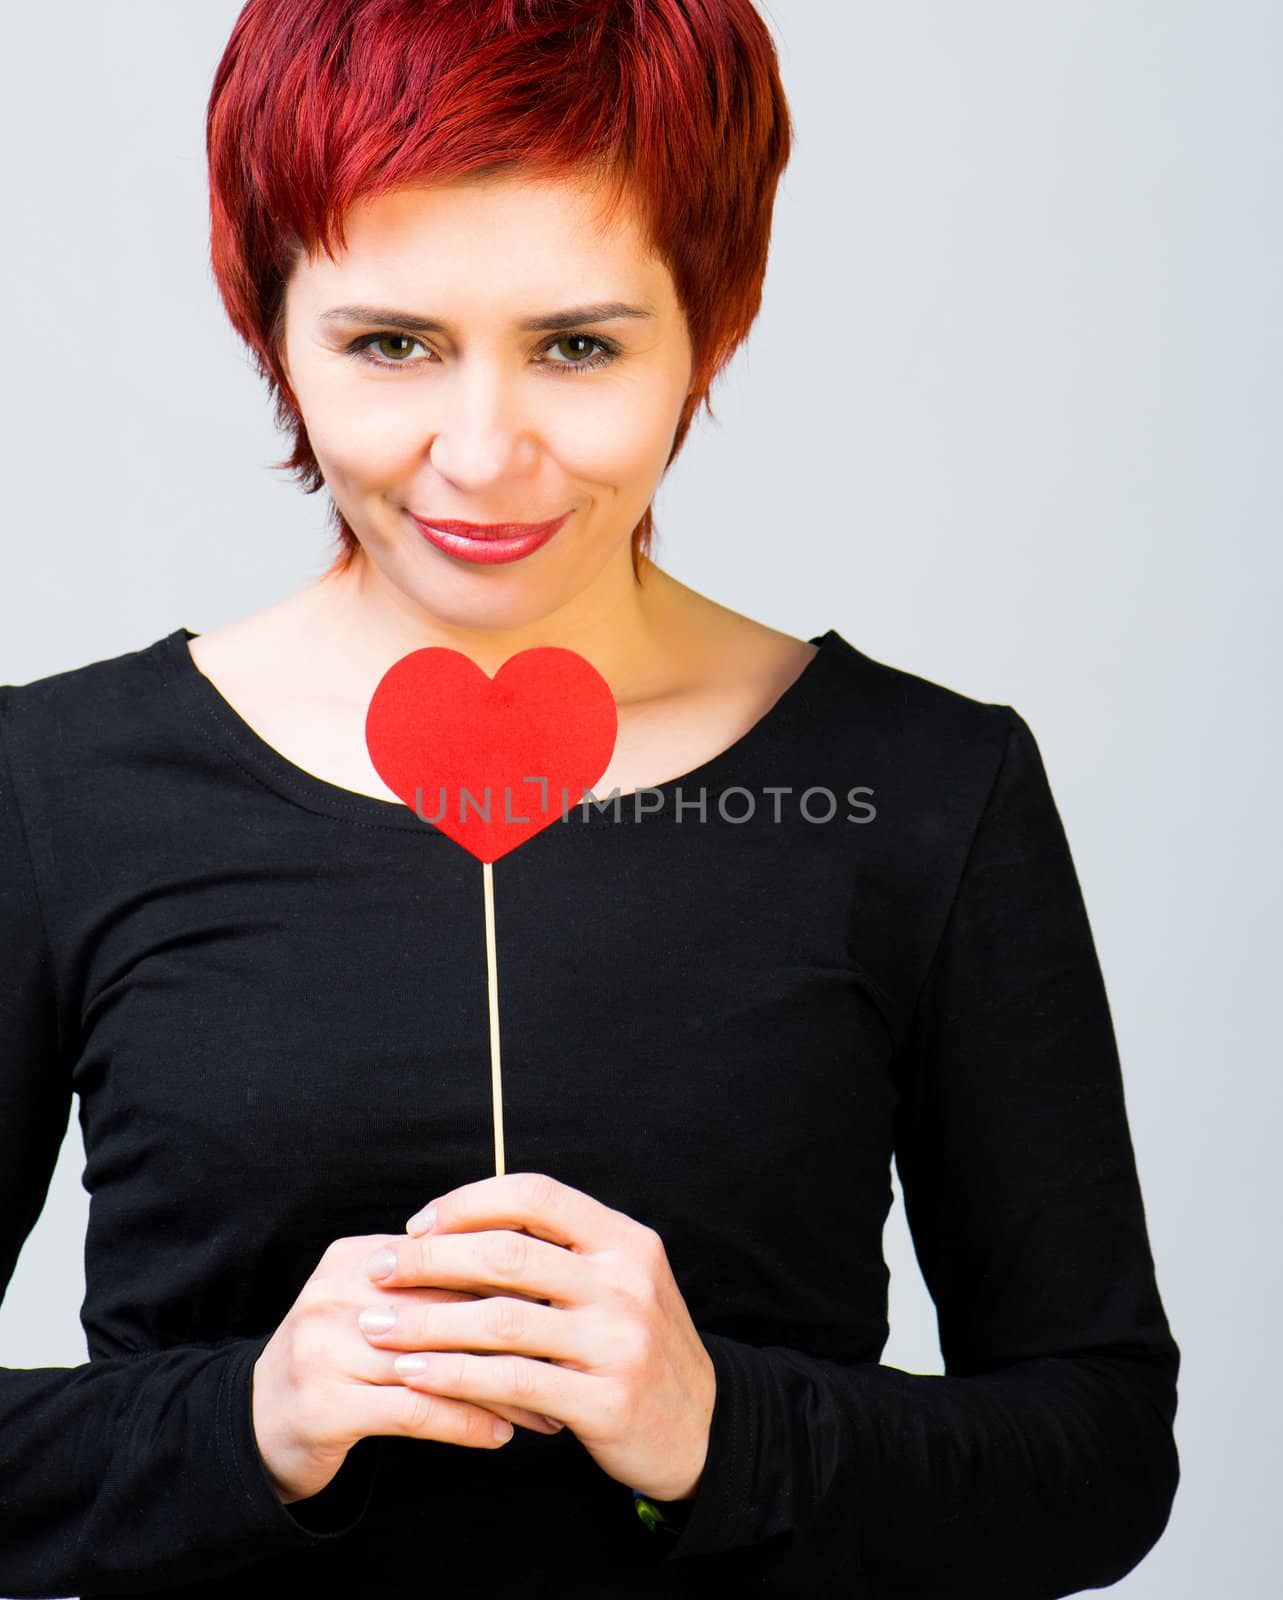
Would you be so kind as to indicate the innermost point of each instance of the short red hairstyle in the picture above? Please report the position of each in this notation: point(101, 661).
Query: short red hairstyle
point(674, 106)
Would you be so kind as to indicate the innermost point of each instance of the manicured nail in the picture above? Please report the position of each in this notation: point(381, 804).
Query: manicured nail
point(422, 1221)
point(380, 1263)
point(374, 1319)
point(407, 1366)
point(552, 1423)
point(502, 1430)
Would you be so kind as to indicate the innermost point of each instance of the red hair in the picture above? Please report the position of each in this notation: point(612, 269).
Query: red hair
point(674, 106)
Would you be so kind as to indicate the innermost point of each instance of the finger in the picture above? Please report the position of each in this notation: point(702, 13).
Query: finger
point(490, 1322)
point(533, 1201)
point(420, 1414)
point(510, 1262)
point(535, 1421)
point(375, 1367)
point(451, 1296)
point(537, 1386)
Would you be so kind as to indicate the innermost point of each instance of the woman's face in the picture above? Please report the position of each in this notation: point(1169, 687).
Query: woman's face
point(480, 418)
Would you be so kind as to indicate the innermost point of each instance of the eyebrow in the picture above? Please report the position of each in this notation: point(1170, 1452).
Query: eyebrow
point(602, 311)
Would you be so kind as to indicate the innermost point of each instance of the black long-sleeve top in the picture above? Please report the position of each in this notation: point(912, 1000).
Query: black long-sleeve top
point(269, 995)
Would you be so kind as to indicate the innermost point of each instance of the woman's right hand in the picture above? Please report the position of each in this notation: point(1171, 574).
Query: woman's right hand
point(319, 1385)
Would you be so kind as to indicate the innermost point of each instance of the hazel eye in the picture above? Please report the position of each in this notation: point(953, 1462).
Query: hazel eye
point(568, 339)
point(362, 349)
point(371, 348)
point(394, 338)
point(608, 352)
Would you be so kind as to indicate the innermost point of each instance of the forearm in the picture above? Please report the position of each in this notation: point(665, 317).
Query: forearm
point(1044, 1478)
point(144, 1471)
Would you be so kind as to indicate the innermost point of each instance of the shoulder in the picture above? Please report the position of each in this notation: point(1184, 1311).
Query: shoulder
point(930, 770)
point(932, 735)
point(60, 730)
point(94, 683)
point(888, 709)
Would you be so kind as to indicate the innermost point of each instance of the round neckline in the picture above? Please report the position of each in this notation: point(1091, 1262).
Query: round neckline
point(266, 763)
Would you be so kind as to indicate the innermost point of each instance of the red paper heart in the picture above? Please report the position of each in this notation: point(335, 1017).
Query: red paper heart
point(437, 724)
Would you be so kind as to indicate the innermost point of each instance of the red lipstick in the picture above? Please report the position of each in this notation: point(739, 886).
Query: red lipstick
point(487, 542)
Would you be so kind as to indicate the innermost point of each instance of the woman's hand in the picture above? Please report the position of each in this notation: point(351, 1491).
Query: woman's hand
point(318, 1386)
point(580, 1319)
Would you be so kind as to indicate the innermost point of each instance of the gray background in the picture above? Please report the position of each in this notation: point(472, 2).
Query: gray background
point(1010, 419)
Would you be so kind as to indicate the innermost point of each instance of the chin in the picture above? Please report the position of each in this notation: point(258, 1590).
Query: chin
point(483, 602)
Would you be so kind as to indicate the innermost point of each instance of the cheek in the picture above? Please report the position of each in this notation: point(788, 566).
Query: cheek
point(622, 440)
point(619, 438)
point(357, 442)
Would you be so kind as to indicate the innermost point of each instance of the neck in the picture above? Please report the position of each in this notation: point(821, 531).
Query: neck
point(633, 633)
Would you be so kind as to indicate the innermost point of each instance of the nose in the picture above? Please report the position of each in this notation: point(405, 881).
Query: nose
point(482, 430)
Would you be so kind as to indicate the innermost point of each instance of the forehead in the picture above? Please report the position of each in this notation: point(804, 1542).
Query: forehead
point(520, 239)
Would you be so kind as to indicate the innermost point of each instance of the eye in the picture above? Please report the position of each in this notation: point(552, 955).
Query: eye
point(360, 346)
point(363, 350)
point(608, 351)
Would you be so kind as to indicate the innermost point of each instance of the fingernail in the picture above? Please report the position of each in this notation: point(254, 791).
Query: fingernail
point(380, 1263)
point(552, 1423)
point(374, 1319)
point(502, 1430)
point(422, 1221)
point(408, 1365)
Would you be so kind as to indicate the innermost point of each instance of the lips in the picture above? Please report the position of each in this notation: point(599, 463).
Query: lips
point(491, 530)
point(487, 545)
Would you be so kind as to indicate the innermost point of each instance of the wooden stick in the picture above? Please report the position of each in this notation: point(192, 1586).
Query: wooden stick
point(492, 986)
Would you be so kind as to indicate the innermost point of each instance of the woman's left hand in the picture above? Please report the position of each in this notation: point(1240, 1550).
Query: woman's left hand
point(614, 1355)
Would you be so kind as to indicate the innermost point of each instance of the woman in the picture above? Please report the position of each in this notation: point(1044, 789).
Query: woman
point(843, 926)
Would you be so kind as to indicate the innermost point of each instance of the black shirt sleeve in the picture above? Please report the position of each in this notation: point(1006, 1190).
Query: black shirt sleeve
point(1042, 1462)
point(139, 1469)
